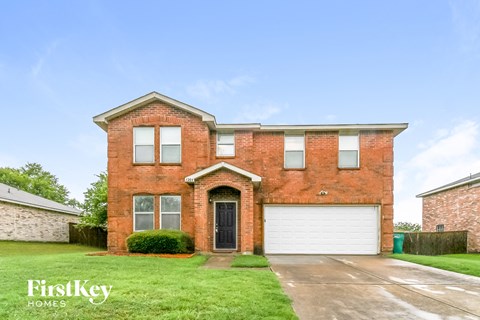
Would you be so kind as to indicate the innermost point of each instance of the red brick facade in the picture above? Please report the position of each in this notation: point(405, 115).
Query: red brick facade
point(456, 209)
point(259, 152)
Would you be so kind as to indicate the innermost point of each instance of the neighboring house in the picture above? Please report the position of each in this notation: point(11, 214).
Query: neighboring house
point(248, 187)
point(27, 217)
point(454, 206)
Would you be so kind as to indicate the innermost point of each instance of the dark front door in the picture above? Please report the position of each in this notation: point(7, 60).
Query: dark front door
point(225, 225)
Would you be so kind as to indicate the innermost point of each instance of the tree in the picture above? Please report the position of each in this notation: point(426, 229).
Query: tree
point(408, 226)
point(95, 205)
point(34, 179)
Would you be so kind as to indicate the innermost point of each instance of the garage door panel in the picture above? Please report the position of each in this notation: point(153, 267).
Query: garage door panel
point(321, 229)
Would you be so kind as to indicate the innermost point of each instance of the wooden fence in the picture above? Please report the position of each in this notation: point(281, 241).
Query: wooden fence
point(89, 236)
point(435, 243)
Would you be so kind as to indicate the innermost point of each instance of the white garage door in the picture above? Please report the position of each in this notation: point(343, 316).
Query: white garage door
point(321, 229)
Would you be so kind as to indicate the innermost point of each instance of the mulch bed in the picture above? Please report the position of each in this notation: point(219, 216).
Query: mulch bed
point(154, 255)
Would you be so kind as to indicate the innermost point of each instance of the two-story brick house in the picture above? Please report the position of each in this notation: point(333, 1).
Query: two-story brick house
point(248, 187)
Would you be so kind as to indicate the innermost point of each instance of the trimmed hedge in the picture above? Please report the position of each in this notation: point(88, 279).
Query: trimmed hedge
point(160, 241)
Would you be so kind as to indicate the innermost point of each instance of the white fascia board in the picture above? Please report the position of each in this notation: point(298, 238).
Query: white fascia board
point(445, 188)
point(103, 118)
point(395, 127)
point(191, 178)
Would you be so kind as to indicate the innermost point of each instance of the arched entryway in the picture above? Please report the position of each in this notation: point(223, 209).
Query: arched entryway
point(224, 218)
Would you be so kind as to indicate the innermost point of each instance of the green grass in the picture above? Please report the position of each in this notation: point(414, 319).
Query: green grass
point(461, 263)
point(250, 261)
point(143, 287)
point(13, 248)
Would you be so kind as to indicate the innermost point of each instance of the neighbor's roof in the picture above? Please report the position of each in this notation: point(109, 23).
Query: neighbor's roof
point(13, 195)
point(255, 179)
point(473, 178)
point(103, 119)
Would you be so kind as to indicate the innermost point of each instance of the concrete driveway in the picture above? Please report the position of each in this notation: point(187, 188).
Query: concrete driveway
point(374, 287)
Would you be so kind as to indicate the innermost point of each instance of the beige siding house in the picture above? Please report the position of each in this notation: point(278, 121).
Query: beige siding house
point(27, 217)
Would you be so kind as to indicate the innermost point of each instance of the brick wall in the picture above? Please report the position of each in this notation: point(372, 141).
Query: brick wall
point(261, 153)
point(457, 209)
point(32, 224)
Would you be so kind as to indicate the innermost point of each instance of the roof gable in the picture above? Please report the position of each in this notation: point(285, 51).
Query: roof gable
point(103, 119)
point(473, 178)
point(255, 179)
point(16, 196)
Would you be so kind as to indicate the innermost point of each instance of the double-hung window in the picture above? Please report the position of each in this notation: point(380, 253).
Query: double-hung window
point(143, 150)
point(348, 151)
point(225, 144)
point(143, 213)
point(170, 212)
point(170, 145)
point(294, 151)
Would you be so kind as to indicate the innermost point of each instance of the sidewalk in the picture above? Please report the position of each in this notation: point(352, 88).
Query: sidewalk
point(219, 262)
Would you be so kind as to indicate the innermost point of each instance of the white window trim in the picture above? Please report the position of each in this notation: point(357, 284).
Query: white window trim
point(135, 213)
point(226, 155)
point(161, 213)
point(134, 145)
point(285, 151)
point(169, 144)
point(215, 223)
point(358, 149)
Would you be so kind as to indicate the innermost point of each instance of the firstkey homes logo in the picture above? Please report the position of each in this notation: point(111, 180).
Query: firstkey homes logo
point(96, 294)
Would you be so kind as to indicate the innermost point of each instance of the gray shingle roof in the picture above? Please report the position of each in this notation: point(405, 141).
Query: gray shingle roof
point(13, 195)
point(473, 178)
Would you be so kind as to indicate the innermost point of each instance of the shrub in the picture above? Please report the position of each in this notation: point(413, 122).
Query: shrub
point(160, 241)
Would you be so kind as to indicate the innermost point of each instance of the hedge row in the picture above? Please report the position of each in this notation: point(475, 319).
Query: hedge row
point(160, 241)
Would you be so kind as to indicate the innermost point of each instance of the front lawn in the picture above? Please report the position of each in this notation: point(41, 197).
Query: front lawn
point(142, 287)
point(250, 261)
point(461, 263)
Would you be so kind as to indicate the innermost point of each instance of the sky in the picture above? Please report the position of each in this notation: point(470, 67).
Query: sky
point(274, 62)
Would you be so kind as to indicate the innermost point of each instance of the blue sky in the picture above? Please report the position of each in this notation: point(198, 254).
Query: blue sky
point(275, 62)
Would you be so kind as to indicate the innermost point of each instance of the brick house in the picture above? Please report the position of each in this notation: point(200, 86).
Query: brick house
point(454, 206)
point(248, 187)
point(27, 217)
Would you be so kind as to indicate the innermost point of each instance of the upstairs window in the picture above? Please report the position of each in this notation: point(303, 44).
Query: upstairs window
point(294, 151)
point(143, 213)
point(170, 145)
point(170, 212)
point(225, 144)
point(440, 228)
point(143, 141)
point(348, 151)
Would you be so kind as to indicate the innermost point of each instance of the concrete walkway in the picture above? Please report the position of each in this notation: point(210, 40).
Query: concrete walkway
point(219, 262)
point(374, 287)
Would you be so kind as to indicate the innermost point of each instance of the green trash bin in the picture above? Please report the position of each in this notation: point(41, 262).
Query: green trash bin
point(398, 238)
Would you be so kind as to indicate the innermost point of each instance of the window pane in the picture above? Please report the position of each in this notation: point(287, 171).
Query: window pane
point(226, 150)
point(225, 138)
point(170, 135)
point(143, 221)
point(144, 136)
point(348, 142)
point(170, 221)
point(171, 154)
point(294, 142)
point(170, 203)
point(144, 154)
point(294, 159)
point(143, 203)
point(348, 159)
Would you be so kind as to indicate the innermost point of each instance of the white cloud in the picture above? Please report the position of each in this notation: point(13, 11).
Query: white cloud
point(37, 68)
point(209, 89)
point(258, 112)
point(451, 154)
